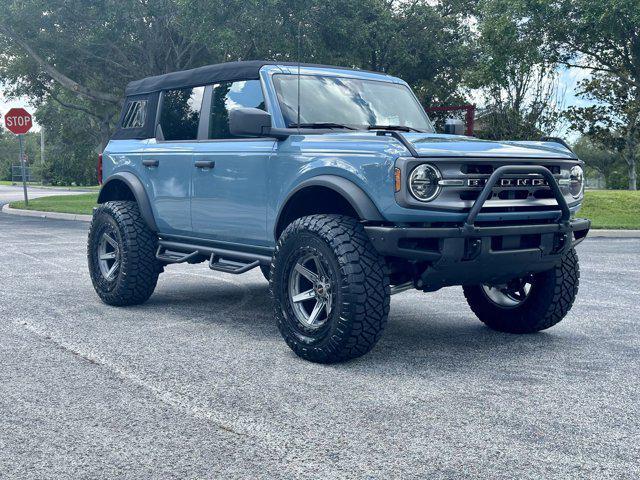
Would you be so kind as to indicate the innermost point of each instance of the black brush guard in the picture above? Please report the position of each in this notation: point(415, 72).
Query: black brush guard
point(471, 255)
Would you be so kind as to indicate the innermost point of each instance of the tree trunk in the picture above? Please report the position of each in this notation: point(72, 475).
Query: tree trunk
point(631, 153)
point(633, 176)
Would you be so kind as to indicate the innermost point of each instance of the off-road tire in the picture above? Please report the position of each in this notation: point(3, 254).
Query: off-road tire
point(550, 299)
point(266, 271)
point(360, 282)
point(139, 269)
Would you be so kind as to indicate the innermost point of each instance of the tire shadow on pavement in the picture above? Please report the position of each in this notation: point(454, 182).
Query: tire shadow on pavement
point(431, 337)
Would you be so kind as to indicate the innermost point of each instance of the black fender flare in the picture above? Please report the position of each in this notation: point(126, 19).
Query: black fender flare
point(137, 189)
point(357, 198)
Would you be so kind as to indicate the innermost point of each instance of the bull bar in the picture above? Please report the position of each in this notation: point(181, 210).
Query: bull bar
point(471, 254)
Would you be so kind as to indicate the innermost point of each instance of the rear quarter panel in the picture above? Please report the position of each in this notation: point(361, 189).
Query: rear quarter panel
point(124, 156)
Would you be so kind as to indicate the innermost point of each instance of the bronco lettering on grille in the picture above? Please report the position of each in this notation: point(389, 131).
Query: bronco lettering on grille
point(510, 182)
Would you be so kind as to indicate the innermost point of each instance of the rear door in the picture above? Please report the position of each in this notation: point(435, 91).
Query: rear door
point(167, 162)
point(230, 174)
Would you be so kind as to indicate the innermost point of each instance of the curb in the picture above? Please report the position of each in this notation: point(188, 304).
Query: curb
point(593, 233)
point(51, 215)
point(613, 233)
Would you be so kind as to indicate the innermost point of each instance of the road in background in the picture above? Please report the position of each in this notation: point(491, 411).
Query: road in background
point(9, 193)
point(198, 383)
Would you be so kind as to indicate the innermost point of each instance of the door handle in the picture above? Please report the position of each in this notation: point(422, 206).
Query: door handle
point(150, 162)
point(204, 164)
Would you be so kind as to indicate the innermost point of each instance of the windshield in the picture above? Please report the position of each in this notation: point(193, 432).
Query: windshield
point(351, 102)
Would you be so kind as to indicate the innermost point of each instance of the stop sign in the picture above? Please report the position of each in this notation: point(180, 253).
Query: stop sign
point(18, 121)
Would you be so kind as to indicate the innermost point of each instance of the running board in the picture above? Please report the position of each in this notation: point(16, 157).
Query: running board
point(230, 266)
point(169, 256)
point(222, 260)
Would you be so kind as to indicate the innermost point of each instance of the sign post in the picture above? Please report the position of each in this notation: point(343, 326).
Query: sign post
point(18, 121)
point(24, 169)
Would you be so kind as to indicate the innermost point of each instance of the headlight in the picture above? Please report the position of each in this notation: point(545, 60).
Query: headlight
point(423, 182)
point(577, 181)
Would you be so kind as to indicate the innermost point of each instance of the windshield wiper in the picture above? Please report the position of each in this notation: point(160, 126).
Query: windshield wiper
point(320, 125)
point(401, 128)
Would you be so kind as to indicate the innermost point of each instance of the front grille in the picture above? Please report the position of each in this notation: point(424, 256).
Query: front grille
point(517, 192)
point(465, 178)
point(477, 169)
point(487, 169)
point(546, 193)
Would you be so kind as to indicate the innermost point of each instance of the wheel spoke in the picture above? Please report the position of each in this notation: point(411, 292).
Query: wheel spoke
point(113, 269)
point(301, 297)
point(327, 305)
point(510, 295)
point(316, 311)
point(308, 274)
point(319, 267)
point(108, 256)
point(111, 240)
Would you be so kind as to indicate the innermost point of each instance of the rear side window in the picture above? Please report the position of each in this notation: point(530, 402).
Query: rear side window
point(135, 114)
point(226, 97)
point(180, 113)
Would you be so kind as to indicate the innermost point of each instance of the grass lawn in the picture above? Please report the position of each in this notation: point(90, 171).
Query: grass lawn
point(618, 209)
point(71, 187)
point(78, 204)
point(8, 183)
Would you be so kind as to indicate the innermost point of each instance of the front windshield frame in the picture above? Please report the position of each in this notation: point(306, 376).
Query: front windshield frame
point(290, 122)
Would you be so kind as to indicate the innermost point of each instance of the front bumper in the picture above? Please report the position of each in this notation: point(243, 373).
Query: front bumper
point(488, 255)
point(471, 254)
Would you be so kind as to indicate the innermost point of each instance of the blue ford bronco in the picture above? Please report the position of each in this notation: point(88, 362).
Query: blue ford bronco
point(334, 183)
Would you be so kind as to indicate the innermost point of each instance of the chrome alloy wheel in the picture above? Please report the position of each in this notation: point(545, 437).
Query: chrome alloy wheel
point(310, 291)
point(510, 295)
point(109, 255)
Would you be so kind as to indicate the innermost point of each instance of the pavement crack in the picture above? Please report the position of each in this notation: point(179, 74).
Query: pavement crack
point(165, 396)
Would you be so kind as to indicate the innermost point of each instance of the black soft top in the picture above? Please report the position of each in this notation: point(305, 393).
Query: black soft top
point(222, 72)
point(147, 91)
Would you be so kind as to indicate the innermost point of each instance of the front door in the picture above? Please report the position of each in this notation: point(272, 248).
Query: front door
point(167, 162)
point(229, 180)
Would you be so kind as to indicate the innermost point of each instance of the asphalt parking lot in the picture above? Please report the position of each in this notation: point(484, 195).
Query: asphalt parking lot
point(197, 383)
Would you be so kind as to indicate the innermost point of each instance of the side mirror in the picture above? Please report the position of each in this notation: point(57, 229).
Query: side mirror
point(454, 126)
point(253, 122)
point(249, 122)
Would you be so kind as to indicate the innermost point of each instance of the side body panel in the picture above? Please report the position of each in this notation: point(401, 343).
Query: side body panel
point(229, 201)
point(169, 184)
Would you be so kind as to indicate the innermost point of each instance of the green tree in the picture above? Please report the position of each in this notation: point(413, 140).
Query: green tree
point(10, 151)
point(81, 54)
point(426, 43)
point(75, 57)
point(606, 162)
point(613, 121)
point(516, 77)
point(603, 36)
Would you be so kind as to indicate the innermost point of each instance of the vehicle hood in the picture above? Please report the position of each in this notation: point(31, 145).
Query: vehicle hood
point(436, 145)
point(433, 145)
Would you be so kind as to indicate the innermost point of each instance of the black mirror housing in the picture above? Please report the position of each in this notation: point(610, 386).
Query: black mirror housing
point(251, 122)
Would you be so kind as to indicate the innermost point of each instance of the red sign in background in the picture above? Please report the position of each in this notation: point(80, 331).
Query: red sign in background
point(18, 121)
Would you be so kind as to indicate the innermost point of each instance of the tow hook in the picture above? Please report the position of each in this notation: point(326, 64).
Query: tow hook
point(474, 245)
